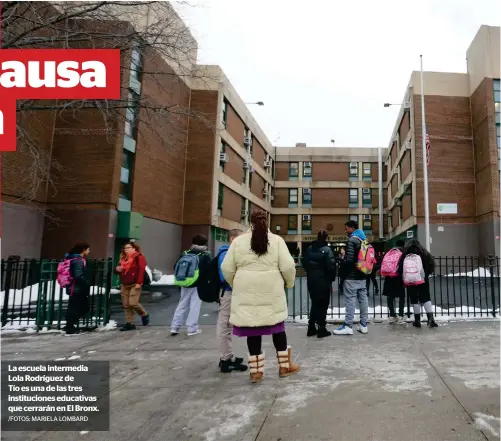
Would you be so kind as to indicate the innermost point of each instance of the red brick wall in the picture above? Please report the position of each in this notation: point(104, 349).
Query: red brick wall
point(232, 205)
point(394, 185)
point(200, 153)
point(280, 220)
point(234, 167)
point(282, 171)
point(330, 171)
point(234, 125)
point(404, 127)
point(334, 224)
point(281, 198)
point(258, 153)
point(406, 207)
point(395, 219)
point(257, 185)
point(451, 172)
point(330, 198)
point(405, 165)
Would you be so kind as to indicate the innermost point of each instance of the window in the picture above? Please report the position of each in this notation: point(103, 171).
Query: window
point(353, 197)
point(292, 223)
point(498, 126)
point(307, 166)
point(222, 149)
point(293, 195)
point(132, 114)
point(244, 212)
point(248, 140)
point(353, 170)
point(220, 197)
point(306, 224)
point(136, 64)
point(221, 235)
point(244, 175)
point(306, 196)
point(367, 197)
point(354, 217)
point(293, 170)
point(367, 171)
point(225, 113)
point(367, 225)
point(250, 178)
point(497, 99)
point(126, 175)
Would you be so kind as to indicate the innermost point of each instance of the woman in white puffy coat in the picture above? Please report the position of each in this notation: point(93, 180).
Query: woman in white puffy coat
point(259, 267)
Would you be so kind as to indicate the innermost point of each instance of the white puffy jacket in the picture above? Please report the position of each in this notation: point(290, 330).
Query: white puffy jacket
point(258, 282)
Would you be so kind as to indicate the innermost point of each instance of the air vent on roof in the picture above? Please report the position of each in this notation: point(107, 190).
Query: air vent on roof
point(300, 144)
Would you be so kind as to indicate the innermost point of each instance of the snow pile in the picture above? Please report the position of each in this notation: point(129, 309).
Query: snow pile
point(24, 296)
point(165, 280)
point(382, 313)
point(479, 272)
point(29, 326)
point(487, 423)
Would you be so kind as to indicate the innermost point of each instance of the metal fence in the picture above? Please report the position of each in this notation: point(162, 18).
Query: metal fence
point(32, 298)
point(459, 287)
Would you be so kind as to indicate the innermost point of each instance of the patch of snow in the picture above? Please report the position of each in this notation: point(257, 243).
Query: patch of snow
point(60, 359)
point(29, 326)
point(114, 291)
point(165, 280)
point(74, 357)
point(486, 422)
point(382, 313)
point(229, 417)
point(91, 352)
point(84, 432)
point(110, 326)
point(25, 296)
point(479, 272)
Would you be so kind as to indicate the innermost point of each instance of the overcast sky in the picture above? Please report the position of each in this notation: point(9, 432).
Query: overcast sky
point(324, 68)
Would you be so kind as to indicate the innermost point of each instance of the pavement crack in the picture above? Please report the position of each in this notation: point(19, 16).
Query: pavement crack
point(266, 416)
point(452, 393)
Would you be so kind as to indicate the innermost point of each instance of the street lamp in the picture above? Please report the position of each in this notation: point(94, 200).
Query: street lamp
point(259, 103)
point(391, 104)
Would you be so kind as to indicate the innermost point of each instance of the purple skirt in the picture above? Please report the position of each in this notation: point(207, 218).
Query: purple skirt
point(241, 331)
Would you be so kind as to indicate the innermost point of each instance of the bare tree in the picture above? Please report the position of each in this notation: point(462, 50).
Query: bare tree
point(151, 28)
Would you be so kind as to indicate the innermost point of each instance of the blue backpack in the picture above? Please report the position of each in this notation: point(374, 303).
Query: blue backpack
point(186, 271)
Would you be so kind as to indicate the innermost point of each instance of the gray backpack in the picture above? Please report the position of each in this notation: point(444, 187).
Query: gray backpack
point(186, 271)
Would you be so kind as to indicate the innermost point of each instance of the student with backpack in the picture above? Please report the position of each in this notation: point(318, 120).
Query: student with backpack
point(415, 267)
point(186, 274)
point(393, 285)
point(132, 271)
point(72, 275)
point(227, 361)
point(359, 263)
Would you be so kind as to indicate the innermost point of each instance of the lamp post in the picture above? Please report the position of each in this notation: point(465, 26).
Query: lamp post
point(257, 103)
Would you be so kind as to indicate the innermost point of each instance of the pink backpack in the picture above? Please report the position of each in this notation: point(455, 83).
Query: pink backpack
point(366, 257)
point(413, 274)
point(389, 266)
point(64, 278)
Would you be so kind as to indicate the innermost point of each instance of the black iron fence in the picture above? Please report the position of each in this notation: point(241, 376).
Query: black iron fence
point(32, 298)
point(460, 287)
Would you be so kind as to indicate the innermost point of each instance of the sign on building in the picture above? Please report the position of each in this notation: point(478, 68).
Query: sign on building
point(447, 208)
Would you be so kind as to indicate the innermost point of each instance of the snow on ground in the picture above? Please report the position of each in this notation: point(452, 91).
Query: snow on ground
point(29, 326)
point(165, 280)
point(29, 294)
point(381, 313)
point(487, 423)
point(479, 272)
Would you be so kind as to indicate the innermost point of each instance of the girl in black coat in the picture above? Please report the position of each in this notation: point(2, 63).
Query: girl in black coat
point(419, 295)
point(394, 289)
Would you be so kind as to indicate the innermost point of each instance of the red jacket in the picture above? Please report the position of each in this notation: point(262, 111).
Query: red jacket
point(135, 275)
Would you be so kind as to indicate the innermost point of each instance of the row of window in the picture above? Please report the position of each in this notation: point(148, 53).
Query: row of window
point(353, 170)
point(131, 125)
point(497, 100)
point(353, 197)
point(248, 141)
point(306, 226)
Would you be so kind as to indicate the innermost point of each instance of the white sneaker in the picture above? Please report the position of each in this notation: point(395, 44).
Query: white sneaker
point(174, 332)
point(343, 330)
point(400, 321)
point(362, 329)
point(392, 320)
point(198, 331)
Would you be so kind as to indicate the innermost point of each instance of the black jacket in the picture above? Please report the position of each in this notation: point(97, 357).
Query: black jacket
point(320, 265)
point(78, 271)
point(350, 270)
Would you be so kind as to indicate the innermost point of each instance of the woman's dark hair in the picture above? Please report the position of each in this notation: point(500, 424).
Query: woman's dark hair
point(322, 235)
point(79, 248)
point(413, 246)
point(259, 239)
point(352, 224)
point(199, 240)
point(400, 243)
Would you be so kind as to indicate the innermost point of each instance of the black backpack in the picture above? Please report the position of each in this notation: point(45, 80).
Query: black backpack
point(209, 284)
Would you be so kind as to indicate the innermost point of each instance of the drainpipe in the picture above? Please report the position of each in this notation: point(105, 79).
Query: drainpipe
point(380, 179)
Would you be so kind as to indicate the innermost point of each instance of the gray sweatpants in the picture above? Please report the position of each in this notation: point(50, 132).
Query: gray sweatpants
point(353, 290)
point(224, 328)
point(187, 309)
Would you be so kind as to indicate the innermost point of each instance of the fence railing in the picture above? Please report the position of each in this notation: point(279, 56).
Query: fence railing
point(32, 298)
point(459, 287)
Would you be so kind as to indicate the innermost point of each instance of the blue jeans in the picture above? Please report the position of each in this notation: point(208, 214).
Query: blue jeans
point(189, 305)
point(353, 290)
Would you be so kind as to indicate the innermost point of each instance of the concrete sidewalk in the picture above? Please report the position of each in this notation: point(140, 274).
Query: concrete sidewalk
point(395, 384)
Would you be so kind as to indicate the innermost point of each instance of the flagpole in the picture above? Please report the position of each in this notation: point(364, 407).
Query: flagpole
point(425, 166)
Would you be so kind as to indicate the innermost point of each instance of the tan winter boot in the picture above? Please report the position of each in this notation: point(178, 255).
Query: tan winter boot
point(286, 366)
point(256, 367)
